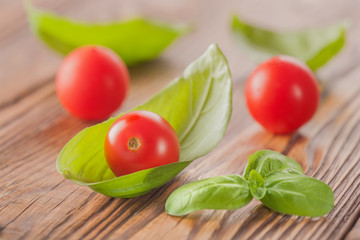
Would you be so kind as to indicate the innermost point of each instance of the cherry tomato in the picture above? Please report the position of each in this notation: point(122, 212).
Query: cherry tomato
point(92, 82)
point(282, 94)
point(140, 140)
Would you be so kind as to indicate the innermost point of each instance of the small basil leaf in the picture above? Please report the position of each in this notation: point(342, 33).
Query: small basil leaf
point(134, 40)
point(139, 183)
point(198, 106)
point(256, 183)
point(297, 194)
point(315, 47)
point(267, 162)
point(225, 192)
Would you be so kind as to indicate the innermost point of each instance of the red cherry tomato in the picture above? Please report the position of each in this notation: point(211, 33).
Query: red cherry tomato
point(282, 94)
point(92, 82)
point(140, 140)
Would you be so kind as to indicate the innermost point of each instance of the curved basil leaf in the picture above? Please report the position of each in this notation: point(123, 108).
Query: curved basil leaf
point(297, 194)
point(315, 47)
point(134, 40)
point(225, 192)
point(267, 162)
point(139, 183)
point(256, 183)
point(198, 106)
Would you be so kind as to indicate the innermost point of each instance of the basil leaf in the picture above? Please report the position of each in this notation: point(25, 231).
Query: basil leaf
point(256, 183)
point(225, 192)
point(198, 106)
point(267, 162)
point(139, 183)
point(297, 194)
point(315, 47)
point(134, 40)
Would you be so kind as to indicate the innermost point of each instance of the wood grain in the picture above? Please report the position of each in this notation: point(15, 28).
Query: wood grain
point(38, 203)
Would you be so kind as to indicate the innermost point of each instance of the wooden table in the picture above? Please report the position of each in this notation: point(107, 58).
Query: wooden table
point(36, 202)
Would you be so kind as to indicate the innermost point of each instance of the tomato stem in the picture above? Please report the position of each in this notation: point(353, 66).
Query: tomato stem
point(134, 144)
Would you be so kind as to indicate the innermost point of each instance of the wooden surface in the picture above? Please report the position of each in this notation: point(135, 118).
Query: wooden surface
point(36, 202)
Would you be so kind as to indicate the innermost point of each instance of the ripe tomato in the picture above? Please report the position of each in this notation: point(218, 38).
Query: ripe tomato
point(92, 82)
point(282, 94)
point(140, 140)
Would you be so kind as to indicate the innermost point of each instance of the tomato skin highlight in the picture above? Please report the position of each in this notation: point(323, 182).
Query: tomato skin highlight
point(140, 140)
point(92, 82)
point(282, 94)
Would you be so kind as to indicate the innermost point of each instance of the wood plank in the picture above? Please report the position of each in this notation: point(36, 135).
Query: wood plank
point(36, 202)
point(354, 234)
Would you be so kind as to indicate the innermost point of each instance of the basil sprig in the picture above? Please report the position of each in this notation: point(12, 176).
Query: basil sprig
point(315, 47)
point(135, 40)
point(198, 106)
point(274, 179)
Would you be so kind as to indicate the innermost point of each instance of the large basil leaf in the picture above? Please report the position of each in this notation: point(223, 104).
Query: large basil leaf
point(297, 194)
point(198, 106)
point(134, 40)
point(225, 192)
point(266, 162)
point(315, 47)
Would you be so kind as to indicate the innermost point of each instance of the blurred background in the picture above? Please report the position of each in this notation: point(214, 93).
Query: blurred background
point(25, 62)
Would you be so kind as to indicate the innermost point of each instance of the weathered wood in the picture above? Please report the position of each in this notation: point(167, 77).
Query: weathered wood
point(38, 203)
point(354, 233)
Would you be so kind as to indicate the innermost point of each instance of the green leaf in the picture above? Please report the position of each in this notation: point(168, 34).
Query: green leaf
point(267, 162)
point(225, 192)
point(256, 183)
point(297, 194)
point(198, 106)
point(136, 40)
point(315, 47)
